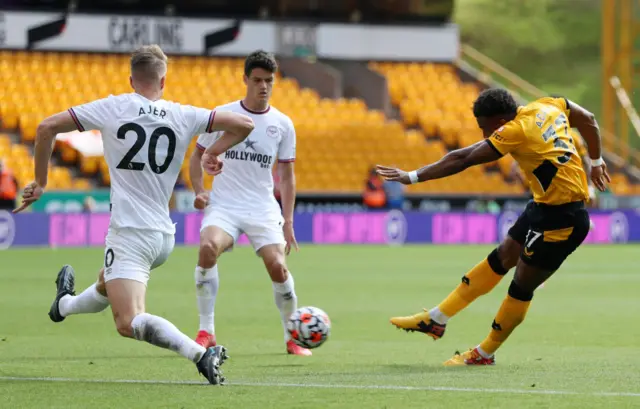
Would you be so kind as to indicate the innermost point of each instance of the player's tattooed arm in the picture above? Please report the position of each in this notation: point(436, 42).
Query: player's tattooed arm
point(45, 140)
point(586, 123)
point(450, 164)
point(588, 127)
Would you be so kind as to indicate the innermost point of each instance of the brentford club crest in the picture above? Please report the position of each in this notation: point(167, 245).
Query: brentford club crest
point(272, 131)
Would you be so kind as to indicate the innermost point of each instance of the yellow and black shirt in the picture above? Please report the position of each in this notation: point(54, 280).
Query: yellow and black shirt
point(540, 139)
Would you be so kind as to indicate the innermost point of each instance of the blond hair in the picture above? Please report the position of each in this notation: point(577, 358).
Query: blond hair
point(149, 63)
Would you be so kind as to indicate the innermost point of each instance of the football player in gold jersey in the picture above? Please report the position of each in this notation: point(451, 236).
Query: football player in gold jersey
point(551, 227)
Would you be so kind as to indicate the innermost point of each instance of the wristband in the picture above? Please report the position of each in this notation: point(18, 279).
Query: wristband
point(597, 162)
point(413, 176)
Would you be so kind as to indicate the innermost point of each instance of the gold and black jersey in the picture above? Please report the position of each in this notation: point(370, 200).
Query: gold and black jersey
point(540, 139)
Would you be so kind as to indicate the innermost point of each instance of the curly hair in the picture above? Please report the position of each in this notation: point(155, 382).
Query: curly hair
point(494, 102)
point(260, 59)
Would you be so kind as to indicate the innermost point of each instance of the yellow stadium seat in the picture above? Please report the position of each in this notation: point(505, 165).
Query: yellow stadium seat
point(5, 141)
point(89, 165)
point(81, 184)
point(432, 100)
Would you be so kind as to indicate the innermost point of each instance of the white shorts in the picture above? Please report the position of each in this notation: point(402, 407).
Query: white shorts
point(261, 231)
point(133, 253)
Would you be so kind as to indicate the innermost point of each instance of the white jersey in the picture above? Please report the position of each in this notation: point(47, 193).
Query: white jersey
point(144, 146)
point(245, 185)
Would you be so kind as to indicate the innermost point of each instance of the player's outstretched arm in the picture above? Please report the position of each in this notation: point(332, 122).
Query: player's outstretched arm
point(45, 139)
point(450, 164)
point(236, 128)
point(587, 125)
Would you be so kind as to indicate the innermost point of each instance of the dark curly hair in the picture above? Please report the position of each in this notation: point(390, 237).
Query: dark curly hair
point(260, 59)
point(495, 102)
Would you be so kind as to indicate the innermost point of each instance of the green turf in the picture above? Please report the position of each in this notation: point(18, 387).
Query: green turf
point(580, 337)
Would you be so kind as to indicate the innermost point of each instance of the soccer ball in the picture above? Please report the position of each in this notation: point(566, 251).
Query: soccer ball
point(309, 327)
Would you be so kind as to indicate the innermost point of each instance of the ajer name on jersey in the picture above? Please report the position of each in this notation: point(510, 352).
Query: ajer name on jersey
point(152, 110)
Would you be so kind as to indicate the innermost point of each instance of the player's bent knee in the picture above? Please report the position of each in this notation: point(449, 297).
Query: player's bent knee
point(123, 323)
point(209, 251)
point(277, 270)
point(495, 262)
point(519, 293)
point(123, 326)
point(210, 248)
point(127, 299)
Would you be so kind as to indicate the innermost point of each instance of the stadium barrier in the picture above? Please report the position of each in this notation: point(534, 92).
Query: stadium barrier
point(381, 228)
point(70, 201)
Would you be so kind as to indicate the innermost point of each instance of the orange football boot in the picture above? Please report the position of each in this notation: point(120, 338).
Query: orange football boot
point(471, 357)
point(295, 349)
point(420, 322)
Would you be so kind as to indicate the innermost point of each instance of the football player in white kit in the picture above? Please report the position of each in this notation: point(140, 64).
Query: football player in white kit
point(242, 199)
point(145, 140)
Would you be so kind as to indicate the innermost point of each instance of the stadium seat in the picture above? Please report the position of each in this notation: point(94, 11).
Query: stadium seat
point(620, 185)
point(434, 99)
point(19, 159)
point(433, 103)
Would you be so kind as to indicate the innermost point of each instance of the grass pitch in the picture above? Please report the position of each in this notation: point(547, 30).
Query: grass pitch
point(578, 348)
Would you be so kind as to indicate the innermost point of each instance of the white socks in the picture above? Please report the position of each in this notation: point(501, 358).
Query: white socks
point(161, 333)
point(286, 301)
point(483, 354)
point(89, 301)
point(437, 315)
point(207, 283)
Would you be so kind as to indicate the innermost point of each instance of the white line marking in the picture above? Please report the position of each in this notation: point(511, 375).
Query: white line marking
point(328, 386)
